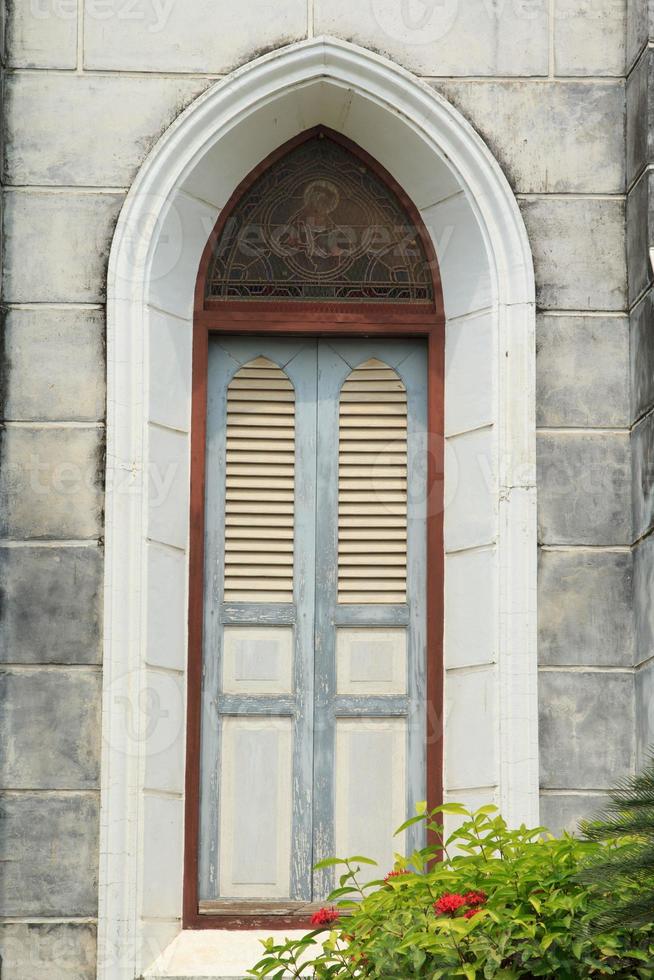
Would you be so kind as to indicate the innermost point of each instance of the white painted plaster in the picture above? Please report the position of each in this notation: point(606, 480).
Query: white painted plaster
point(471, 732)
point(485, 262)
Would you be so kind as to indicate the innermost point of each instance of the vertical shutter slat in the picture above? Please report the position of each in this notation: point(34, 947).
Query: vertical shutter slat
point(260, 484)
point(372, 497)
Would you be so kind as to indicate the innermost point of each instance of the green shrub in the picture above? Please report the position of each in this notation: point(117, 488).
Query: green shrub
point(500, 903)
point(629, 869)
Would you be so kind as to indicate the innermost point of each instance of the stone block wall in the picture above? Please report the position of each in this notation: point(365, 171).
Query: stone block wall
point(90, 86)
point(640, 261)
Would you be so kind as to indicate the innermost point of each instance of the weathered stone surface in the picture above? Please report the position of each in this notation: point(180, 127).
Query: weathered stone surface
point(41, 34)
point(640, 20)
point(643, 605)
point(54, 365)
point(125, 114)
point(50, 605)
point(57, 245)
point(51, 483)
point(642, 356)
point(49, 728)
point(201, 37)
point(583, 488)
point(582, 371)
point(644, 714)
point(43, 951)
point(578, 248)
point(450, 38)
point(642, 448)
point(49, 853)
point(640, 116)
point(584, 609)
point(589, 38)
point(561, 813)
point(586, 729)
point(548, 136)
point(640, 235)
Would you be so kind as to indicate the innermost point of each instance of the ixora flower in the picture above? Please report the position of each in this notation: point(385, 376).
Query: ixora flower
point(396, 874)
point(475, 898)
point(469, 914)
point(449, 904)
point(324, 917)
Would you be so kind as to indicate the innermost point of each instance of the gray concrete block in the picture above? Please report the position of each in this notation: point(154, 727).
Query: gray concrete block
point(585, 609)
point(561, 812)
point(640, 116)
point(472, 38)
point(644, 715)
point(49, 852)
point(200, 37)
point(582, 371)
point(589, 38)
point(50, 605)
point(642, 356)
point(67, 237)
point(50, 728)
point(642, 448)
point(127, 114)
point(640, 15)
point(578, 249)
point(640, 235)
point(548, 136)
point(586, 729)
point(51, 483)
point(584, 487)
point(41, 35)
point(643, 604)
point(44, 951)
point(54, 365)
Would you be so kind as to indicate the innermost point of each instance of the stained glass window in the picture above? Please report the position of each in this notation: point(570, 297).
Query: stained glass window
point(320, 225)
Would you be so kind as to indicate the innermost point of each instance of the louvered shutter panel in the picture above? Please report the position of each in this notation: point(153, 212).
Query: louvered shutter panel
point(372, 486)
point(260, 484)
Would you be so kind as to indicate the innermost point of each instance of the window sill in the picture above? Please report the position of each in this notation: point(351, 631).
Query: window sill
point(219, 954)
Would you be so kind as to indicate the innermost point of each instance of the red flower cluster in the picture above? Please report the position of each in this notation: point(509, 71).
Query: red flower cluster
point(451, 902)
point(396, 874)
point(324, 917)
point(473, 899)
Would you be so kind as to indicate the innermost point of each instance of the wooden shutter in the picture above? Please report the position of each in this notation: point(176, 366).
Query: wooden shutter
point(372, 486)
point(260, 484)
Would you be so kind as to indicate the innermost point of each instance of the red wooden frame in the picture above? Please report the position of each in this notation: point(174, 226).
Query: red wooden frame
point(313, 319)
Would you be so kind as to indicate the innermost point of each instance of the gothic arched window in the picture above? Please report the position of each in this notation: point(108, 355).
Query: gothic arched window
point(320, 225)
point(316, 552)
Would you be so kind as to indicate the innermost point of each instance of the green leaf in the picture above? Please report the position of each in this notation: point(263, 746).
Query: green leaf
point(327, 863)
point(408, 823)
point(362, 860)
point(453, 808)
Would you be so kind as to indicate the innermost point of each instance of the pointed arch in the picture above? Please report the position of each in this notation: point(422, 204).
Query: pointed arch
point(487, 278)
point(319, 225)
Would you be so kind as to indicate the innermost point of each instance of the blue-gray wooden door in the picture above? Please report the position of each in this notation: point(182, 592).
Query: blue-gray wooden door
point(314, 648)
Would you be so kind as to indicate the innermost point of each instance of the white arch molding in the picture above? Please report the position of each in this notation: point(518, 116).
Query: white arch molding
point(491, 750)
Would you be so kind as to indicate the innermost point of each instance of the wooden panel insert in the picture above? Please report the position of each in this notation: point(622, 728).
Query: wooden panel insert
point(372, 486)
point(260, 484)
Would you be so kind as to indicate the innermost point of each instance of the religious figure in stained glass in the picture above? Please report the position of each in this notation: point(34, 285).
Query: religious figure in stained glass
point(320, 225)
